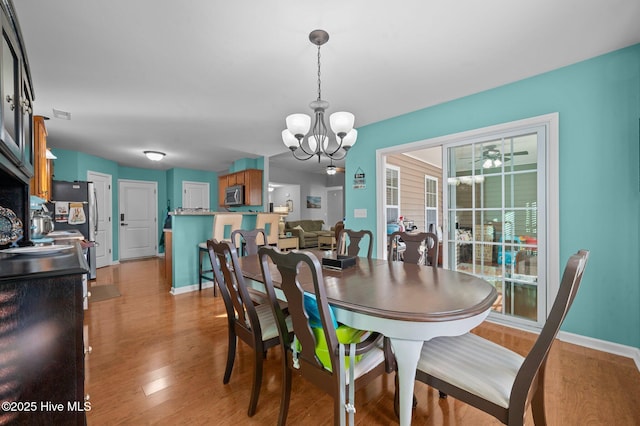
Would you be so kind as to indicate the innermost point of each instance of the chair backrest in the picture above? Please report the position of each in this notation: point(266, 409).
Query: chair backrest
point(250, 239)
point(223, 220)
point(413, 242)
point(290, 265)
point(339, 226)
point(354, 238)
point(241, 312)
point(270, 223)
point(537, 357)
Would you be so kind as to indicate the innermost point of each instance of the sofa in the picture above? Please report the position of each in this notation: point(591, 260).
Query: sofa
point(307, 231)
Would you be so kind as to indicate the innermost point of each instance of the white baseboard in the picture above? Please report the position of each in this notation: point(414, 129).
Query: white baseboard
point(602, 345)
point(189, 288)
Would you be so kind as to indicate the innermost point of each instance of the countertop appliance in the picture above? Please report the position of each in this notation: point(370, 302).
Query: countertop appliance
point(41, 220)
point(74, 206)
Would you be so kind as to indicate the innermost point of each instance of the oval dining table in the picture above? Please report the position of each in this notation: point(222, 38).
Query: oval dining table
point(408, 303)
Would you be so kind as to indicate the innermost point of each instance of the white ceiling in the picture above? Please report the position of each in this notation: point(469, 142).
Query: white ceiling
point(209, 82)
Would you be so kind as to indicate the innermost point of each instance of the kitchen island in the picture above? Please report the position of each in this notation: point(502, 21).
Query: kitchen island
point(188, 229)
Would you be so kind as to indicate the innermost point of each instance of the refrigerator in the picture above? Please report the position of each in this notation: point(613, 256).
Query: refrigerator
point(74, 206)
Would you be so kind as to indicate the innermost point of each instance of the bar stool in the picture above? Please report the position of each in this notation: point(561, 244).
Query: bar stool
point(220, 223)
point(269, 222)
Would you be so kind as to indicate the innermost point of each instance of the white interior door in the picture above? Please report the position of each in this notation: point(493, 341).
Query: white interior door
point(138, 219)
point(195, 195)
point(104, 240)
point(335, 206)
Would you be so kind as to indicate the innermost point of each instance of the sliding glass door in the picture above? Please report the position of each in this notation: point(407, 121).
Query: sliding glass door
point(495, 211)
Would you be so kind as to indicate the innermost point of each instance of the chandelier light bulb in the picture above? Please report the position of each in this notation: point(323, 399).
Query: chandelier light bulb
point(298, 124)
point(350, 139)
point(289, 140)
point(331, 170)
point(341, 122)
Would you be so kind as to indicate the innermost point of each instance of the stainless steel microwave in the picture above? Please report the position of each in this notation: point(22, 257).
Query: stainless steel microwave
point(234, 195)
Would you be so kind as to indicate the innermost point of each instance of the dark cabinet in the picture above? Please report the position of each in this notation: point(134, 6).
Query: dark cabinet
point(16, 120)
point(42, 317)
point(10, 94)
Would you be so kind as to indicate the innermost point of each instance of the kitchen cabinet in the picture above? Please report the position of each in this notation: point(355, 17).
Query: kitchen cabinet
point(10, 94)
point(251, 179)
point(41, 181)
point(222, 185)
point(253, 187)
point(16, 109)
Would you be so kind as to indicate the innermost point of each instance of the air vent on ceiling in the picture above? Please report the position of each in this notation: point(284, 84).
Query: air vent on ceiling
point(63, 115)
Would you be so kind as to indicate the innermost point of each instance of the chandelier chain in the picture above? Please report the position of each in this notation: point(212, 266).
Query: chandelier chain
point(319, 86)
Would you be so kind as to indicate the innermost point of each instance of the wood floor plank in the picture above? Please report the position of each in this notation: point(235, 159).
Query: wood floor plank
point(159, 359)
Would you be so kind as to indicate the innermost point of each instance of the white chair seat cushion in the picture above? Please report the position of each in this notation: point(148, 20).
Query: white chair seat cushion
point(268, 322)
point(474, 364)
point(368, 362)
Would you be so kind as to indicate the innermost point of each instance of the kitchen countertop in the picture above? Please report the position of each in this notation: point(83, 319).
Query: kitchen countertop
point(65, 235)
point(198, 212)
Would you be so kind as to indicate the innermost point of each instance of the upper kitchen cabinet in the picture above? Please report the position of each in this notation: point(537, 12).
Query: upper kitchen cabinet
point(42, 170)
point(16, 95)
point(251, 179)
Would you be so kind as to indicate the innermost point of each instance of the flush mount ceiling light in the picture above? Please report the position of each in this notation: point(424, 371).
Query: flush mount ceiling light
point(316, 141)
point(154, 155)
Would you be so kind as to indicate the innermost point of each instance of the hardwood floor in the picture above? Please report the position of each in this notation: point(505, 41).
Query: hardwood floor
point(159, 359)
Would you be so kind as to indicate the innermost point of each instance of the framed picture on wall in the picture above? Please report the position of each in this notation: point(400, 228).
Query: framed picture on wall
point(289, 204)
point(313, 202)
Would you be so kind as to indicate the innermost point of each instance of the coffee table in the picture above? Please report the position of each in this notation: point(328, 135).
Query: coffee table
point(326, 241)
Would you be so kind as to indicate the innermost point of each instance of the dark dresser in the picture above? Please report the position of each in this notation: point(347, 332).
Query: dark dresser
point(41, 338)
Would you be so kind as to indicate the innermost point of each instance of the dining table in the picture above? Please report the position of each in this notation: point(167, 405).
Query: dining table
point(407, 303)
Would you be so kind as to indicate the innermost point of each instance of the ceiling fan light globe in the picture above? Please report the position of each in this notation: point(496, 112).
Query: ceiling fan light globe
point(487, 163)
point(341, 122)
point(298, 124)
point(497, 162)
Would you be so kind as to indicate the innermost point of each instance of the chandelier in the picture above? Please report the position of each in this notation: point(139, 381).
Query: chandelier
point(306, 141)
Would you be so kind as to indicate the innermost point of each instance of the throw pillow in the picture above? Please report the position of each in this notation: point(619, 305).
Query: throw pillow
point(298, 227)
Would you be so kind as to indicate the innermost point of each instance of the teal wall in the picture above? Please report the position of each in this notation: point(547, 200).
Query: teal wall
point(598, 102)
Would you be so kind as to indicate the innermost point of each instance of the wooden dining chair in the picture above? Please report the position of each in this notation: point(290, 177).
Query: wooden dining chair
point(493, 378)
point(419, 247)
point(253, 324)
point(300, 354)
point(249, 240)
point(354, 238)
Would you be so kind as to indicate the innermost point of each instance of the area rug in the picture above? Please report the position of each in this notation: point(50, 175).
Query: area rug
point(103, 292)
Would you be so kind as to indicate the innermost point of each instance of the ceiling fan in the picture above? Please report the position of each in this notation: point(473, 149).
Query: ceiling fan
point(492, 157)
point(332, 169)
